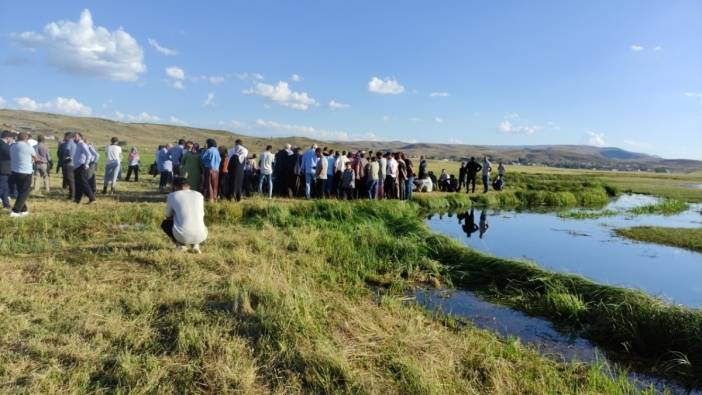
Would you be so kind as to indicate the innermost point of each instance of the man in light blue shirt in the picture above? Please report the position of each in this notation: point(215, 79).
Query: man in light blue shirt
point(165, 163)
point(22, 156)
point(309, 167)
point(82, 157)
point(177, 155)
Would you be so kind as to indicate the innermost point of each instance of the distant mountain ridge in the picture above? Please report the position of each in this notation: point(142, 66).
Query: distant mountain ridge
point(148, 136)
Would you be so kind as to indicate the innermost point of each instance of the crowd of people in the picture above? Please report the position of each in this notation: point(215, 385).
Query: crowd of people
point(195, 174)
point(468, 174)
point(25, 163)
point(221, 173)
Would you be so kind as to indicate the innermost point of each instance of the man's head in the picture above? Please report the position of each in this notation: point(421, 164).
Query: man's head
point(348, 165)
point(288, 146)
point(269, 147)
point(40, 139)
point(318, 151)
point(114, 140)
point(7, 136)
point(179, 184)
point(77, 137)
point(67, 136)
point(189, 146)
point(238, 142)
point(23, 136)
point(181, 142)
point(211, 143)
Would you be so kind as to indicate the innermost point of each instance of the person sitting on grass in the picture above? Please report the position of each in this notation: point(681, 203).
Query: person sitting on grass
point(185, 217)
point(498, 184)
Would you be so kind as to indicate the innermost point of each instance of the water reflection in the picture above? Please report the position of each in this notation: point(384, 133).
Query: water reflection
point(588, 247)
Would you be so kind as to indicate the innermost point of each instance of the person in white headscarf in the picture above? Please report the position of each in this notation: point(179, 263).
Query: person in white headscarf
point(237, 160)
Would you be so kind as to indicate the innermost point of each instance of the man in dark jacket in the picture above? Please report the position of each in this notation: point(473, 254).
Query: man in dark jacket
point(461, 175)
point(5, 166)
point(472, 169)
point(65, 160)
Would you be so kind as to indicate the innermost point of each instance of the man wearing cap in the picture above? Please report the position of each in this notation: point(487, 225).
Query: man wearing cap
point(22, 158)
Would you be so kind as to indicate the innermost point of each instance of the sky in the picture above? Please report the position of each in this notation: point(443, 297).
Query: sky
point(623, 73)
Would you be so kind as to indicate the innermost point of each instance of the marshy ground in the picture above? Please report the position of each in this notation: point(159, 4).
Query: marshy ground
point(293, 296)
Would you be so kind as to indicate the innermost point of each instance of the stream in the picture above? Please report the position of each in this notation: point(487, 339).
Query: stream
point(587, 247)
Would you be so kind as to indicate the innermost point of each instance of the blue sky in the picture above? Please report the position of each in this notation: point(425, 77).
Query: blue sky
point(624, 73)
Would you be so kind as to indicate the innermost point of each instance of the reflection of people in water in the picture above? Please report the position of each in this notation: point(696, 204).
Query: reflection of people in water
point(469, 227)
point(483, 223)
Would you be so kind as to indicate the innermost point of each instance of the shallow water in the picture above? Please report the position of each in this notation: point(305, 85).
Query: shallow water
point(539, 332)
point(588, 247)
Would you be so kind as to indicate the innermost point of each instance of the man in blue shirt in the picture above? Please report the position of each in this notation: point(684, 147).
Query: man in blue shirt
point(81, 169)
point(309, 167)
point(177, 155)
point(165, 164)
point(22, 158)
point(211, 159)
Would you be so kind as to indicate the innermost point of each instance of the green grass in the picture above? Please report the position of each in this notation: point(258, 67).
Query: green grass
point(292, 296)
point(582, 214)
point(94, 299)
point(665, 207)
point(690, 239)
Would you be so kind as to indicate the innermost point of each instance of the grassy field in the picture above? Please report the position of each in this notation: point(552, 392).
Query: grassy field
point(95, 299)
point(678, 186)
point(690, 239)
point(289, 297)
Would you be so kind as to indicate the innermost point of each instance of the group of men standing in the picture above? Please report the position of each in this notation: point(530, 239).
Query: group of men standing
point(23, 161)
point(77, 160)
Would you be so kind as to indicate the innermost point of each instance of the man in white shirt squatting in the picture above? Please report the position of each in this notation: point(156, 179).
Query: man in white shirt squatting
point(185, 217)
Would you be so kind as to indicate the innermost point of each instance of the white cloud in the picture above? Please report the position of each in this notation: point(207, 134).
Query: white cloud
point(637, 48)
point(386, 118)
point(3, 102)
point(142, 117)
point(512, 115)
point(82, 48)
point(507, 127)
point(176, 121)
point(282, 95)
point(385, 86)
point(439, 94)
point(162, 50)
point(178, 84)
point(175, 72)
point(595, 138)
point(657, 48)
point(210, 98)
point(438, 120)
point(249, 76)
point(295, 77)
point(61, 105)
point(414, 119)
point(212, 79)
point(693, 94)
point(283, 129)
point(335, 105)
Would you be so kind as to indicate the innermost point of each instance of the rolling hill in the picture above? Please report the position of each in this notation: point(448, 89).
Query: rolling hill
point(148, 136)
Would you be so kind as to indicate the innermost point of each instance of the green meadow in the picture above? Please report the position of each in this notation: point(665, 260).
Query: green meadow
point(297, 297)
